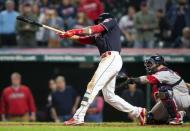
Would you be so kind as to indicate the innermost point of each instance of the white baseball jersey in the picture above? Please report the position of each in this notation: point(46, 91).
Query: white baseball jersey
point(170, 77)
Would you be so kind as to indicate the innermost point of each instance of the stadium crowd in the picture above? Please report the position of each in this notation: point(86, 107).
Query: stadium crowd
point(143, 24)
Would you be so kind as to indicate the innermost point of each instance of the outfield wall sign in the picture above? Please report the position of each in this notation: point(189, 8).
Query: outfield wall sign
point(85, 58)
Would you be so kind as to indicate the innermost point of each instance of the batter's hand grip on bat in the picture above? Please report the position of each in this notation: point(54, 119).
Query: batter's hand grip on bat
point(27, 20)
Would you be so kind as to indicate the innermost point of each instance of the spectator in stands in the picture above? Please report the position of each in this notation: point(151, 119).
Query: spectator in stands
point(94, 112)
point(116, 8)
point(8, 25)
point(17, 101)
point(52, 88)
point(2, 4)
point(26, 31)
point(36, 10)
point(179, 16)
point(145, 23)
point(155, 5)
point(44, 4)
point(184, 40)
point(92, 8)
point(81, 22)
point(64, 101)
point(67, 11)
point(26, 1)
point(134, 96)
point(127, 27)
point(22, 2)
point(40, 36)
point(54, 21)
point(41, 33)
point(136, 3)
point(169, 5)
point(163, 32)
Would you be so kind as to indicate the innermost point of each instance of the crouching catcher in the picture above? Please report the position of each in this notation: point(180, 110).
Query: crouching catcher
point(173, 99)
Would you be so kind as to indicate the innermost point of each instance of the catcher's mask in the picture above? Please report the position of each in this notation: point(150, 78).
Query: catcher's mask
point(152, 63)
point(103, 17)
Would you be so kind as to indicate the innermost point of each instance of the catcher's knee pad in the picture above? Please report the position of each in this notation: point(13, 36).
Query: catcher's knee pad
point(165, 92)
point(166, 96)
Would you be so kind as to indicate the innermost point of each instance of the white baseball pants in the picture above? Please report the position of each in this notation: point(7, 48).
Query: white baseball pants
point(104, 79)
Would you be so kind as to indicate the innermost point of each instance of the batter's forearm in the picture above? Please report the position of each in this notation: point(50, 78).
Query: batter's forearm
point(88, 30)
point(93, 29)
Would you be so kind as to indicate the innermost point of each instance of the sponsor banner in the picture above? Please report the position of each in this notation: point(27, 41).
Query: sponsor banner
point(18, 58)
point(86, 58)
point(67, 58)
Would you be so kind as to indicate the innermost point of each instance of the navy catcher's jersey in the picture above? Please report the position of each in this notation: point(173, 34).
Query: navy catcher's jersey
point(109, 40)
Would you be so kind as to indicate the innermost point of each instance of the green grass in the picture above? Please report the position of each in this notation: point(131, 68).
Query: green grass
point(12, 126)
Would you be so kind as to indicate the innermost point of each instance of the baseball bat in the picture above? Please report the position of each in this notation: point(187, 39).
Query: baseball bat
point(32, 22)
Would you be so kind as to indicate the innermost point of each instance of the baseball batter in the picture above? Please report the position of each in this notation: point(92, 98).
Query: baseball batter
point(173, 93)
point(106, 36)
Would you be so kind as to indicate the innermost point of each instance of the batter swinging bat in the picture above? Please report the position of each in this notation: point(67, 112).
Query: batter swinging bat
point(30, 21)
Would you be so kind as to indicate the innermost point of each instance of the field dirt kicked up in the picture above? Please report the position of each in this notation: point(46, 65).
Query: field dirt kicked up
point(37, 126)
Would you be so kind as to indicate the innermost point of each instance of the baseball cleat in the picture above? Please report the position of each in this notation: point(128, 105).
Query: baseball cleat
point(178, 120)
point(73, 122)
point(142, 116)
point(175, 121)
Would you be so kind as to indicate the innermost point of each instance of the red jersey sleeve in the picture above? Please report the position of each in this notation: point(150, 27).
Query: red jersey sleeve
point(30, 100)
point(97, 28)
point(86, 40)
point(152, 80)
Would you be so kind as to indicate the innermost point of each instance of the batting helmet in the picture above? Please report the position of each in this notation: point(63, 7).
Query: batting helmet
point(153, 62)
point(102, 17)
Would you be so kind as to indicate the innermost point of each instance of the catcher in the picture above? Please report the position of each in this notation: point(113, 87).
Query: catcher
point(173, 93)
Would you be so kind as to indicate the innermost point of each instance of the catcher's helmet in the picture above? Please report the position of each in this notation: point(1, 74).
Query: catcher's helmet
point(153, 62)
point(102, 17)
